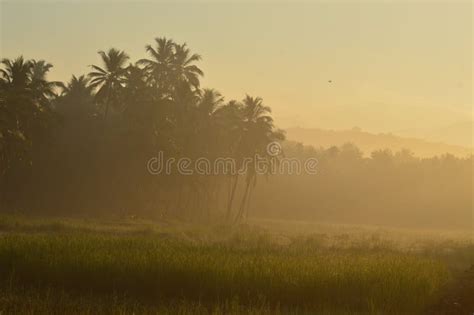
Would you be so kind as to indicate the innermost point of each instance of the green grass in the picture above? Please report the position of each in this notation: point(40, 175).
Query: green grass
point(64, 267)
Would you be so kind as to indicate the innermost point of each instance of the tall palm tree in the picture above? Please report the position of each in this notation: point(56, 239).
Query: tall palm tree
point(76, 98)
point(18, 101)
point(159, 66)
point(207, 128)
point(135, 78)
point(258, 131)
point(77, 87)
point(43, 89)
point(24, 106)
point(184, 68)
point(207, 143)
point(28, 77)
point(210, 101)
point(139, 111)
point(229, 121)
point(15, 73)
point(170, 65)
point(43, 92)
point(109, 80)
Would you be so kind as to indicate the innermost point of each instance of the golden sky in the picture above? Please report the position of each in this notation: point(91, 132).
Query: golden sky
point(394, 65)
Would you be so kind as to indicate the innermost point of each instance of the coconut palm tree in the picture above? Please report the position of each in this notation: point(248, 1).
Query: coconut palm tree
point(15, 73)
point(76, 98)
point(206, 127)
point(170, 65)
point(18, 101)
point(258, 131)
point(135, 78)
point(43, 89)
point(77, 87)
point(184, 68)
point(24, 108)
point(209, 102)
point(25, 89)
point(109, 80)
point(159, 66)
point(229, 120)
point(140, 108)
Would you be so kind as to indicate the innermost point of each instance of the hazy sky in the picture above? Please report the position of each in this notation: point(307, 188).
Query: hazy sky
point(393, 65)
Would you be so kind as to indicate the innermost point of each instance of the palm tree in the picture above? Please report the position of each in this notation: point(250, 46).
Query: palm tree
point(206, 128)
point(229, 121)
point(77, 87)
point(184, 68)
point(43, 89)
point(140, 111)
point(210, 101)
point(258, 131)
point(135, 78)
point(15, 73)
point(109, 80)
point(24, 84)
point(76, 98)
point(207, 144)
point(18, 102)
point(170, 65)
point(28, 77)
point(24, 108)
point(159, 66)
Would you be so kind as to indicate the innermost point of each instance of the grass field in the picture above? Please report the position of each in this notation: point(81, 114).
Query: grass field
point(138, 267)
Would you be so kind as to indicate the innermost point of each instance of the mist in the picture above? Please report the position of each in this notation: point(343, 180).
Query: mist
point(236, 158)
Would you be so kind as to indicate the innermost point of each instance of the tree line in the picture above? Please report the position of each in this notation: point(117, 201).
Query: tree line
point(85, 143)
point(82, 147)
point(382, 187)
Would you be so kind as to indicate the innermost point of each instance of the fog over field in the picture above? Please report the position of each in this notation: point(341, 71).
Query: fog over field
point(244, 157)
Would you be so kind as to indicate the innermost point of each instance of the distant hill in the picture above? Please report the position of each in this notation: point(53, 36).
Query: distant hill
point(369, 142)
point(460, 133)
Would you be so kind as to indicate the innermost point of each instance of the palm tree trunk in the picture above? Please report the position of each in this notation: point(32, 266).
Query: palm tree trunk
point(3, 177)
point(248, 203)
point(107, 101)
point(106, 110)
point(231, 198)
point(2, 190)
point(242, 204)
point(229, 190)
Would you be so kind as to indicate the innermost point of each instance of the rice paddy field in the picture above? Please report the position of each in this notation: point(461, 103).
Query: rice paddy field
point(125, 266)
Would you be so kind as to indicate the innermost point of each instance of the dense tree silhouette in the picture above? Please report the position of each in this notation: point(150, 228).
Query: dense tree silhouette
point(54, 155)
point(25, 118)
